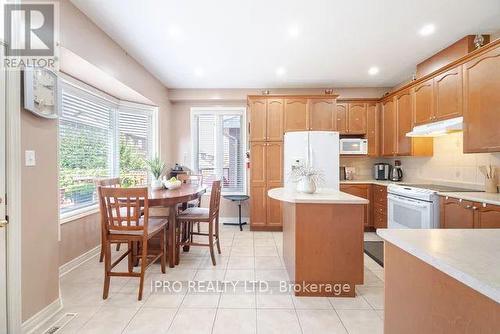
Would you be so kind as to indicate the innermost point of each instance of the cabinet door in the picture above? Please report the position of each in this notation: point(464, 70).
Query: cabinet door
point(456, 213)
point(488, 216)
point(274, 167)
point(372, 129)
point(379, 216)
point(296, 115)
point(423, 102)
point(388, 128)
point(321, 114)
point(363, 191)
point(356, 119)
point(257, 117)
point(341, 117)
point(258, 187)
point(275, 119)
point(403, 123)
point(448, 94)
point(482, 103)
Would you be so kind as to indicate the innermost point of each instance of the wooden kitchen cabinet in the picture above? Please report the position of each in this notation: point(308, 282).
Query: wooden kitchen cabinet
point(388, 128)
point(379, 209)
point(266, 119)
point(448, 94)
point(341, 110)
point(296, 114)
point(372, 129)
point(487, 215)
point(274, 172)
point(423, 101)
point(322, 114)
point(456, 213)
point(403, 123)
point(363, 191)
point(356, 118)
point(481, 105)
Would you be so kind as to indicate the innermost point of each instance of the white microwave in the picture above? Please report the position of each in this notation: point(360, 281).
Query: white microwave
point(354, 146)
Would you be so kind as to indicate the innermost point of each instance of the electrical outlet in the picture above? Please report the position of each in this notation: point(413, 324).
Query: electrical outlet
point(29, 158)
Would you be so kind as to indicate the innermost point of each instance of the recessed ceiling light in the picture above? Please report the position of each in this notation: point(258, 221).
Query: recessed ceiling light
point(427, 30)
point(174, 32)
point(199, 72)
point(293, 31)
point(373, 70)
point(280, 71)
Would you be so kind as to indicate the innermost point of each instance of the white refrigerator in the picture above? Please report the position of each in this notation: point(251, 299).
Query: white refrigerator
point(318, 149)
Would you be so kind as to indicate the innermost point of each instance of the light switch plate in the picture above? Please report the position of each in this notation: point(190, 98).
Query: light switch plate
point(29, 158)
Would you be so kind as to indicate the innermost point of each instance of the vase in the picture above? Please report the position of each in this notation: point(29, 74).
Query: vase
point(156, 184)
point(306, 185)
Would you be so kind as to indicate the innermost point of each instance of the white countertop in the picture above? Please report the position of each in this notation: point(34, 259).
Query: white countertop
point(370, 181)
point(481, 197)
point(471, 256)
point(322, 196)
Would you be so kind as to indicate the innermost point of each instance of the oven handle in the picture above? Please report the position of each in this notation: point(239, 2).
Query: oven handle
point(408, 201)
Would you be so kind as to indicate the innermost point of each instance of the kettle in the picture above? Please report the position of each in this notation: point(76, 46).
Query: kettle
point(396, 173)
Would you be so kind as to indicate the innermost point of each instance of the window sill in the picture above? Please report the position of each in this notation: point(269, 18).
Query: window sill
point(77, 214)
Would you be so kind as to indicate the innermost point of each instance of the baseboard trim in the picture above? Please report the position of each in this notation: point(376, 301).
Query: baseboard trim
point(78, 261)
point(266, 228)
point(36, 321)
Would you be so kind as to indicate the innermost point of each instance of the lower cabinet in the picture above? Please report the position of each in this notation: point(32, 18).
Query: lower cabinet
point(365, 191)
point(458, 213)
point(379, 209)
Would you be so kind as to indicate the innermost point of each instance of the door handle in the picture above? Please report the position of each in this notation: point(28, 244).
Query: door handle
point(3, 223)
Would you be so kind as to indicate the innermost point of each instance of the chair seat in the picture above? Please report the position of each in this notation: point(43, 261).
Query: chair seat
point(154, 225)
point(194, 214)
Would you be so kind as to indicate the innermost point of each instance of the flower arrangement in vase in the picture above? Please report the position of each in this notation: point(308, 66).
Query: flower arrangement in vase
point(156, 167)
point(307, 178)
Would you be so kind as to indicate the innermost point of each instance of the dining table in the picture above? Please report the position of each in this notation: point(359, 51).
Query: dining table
point(172, 198)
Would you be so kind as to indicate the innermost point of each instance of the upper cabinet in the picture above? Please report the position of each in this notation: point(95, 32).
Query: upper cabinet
point(423, 102)
point(341, 117)
point(266, 119)
point(403, 122)
point(296, 115)
point(372, 129)
point(388, 128)
point(322, 114)
point(481, 78)
point(356, 118)
point(448, 94)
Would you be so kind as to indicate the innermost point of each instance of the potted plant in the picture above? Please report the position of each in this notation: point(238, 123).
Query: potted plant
point(307, 178)
point(156, 167)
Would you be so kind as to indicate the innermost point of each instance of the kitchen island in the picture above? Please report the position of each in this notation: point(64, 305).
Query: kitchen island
point(448, 280)
point(322, 241)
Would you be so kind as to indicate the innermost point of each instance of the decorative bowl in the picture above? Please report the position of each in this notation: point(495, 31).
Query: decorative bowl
point(172, 184)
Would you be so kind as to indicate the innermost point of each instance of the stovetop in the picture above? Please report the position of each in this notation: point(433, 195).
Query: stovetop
point(439, 188)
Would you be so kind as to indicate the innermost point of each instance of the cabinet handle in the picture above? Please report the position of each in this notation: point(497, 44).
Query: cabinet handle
point(468, 206)
point(474, 208)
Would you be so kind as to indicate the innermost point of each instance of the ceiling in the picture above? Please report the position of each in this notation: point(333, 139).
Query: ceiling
point(286, 43)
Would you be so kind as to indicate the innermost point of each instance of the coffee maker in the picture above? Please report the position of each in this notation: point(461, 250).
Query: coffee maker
point(396, 173)
point(381, 171)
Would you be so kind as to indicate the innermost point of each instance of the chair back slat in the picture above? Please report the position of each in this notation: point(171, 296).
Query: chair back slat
point(124, 207)
point(215, 199)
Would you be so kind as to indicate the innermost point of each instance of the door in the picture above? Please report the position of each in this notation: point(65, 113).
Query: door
point(456, 213)
point(409, 213)
point(295, 153)
point(257, 108)
point(372, 129)
point(321, 114)
point(423, 101)
point(488, 215)
point(482, 103)
point(388, 128)
point(324, 156)
point(403, 123)
point(341, 117)
point(274, 167)
point(296, 117)
point(274, 123)
point(356, 120)
point(448, 94)
point(258, 191)
point(3, 227)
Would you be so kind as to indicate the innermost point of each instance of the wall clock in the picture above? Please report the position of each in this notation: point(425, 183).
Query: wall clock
point(40, 92)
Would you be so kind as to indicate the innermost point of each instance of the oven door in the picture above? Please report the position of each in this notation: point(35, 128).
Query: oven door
point(406, 212)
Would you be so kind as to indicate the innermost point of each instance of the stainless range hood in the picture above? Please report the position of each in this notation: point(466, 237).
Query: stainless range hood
point(438, 128)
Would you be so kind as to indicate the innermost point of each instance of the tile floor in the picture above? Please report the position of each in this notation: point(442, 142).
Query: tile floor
point(245, 256)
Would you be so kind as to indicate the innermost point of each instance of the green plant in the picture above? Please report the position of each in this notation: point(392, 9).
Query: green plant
point(156, 167)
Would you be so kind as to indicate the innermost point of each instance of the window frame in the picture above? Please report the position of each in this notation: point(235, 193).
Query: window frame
point(117, 106)
point(218, 111)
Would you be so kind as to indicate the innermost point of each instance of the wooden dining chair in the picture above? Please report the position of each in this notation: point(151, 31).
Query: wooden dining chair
point(113, 183)
point(191, 216)
point(128, 221)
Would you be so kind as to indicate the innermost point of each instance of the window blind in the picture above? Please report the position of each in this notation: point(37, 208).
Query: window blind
point(219, 149)
point(85, 148)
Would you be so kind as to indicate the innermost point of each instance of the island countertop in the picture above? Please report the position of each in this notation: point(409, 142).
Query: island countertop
point(470, 256)
point(322, 196)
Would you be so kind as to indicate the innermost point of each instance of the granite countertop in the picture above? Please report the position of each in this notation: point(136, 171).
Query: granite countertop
point(471, 256)
point(482, 197)
point(323, 196)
